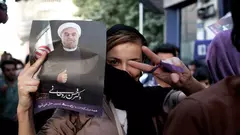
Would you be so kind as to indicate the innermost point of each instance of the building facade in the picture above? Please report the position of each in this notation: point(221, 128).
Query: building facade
point(187, 24)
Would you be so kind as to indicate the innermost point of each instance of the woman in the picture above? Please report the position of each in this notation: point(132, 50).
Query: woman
point(124, 110)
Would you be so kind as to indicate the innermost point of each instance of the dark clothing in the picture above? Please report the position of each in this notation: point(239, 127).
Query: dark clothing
point(213, 111)
point(140, 102)
point(41, 118)
point(7, 124)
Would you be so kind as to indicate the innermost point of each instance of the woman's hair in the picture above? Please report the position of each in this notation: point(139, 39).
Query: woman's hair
point(120, 34)
point(122, 37)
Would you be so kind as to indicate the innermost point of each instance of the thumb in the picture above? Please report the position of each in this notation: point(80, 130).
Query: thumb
point(175, 77)
point(65, 71)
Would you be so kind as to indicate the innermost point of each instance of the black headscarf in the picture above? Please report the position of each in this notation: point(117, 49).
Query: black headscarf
point(121, 27)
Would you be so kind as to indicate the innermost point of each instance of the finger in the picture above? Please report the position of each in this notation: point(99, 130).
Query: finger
point(35, 76)
point(176, 61)
point(151, 55)
point(64, 77)
point(34, 68)
point(64, 80)
point(30, 89)
point(140, 66)
point(26, 66)
point(175, 77)
point(173, 61)
point(27, 89)
point(25, 69)
point(32, 82)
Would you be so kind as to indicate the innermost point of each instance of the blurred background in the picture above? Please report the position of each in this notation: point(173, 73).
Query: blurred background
point(182, 23)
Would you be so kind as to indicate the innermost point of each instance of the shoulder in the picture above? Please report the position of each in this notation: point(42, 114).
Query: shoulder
point(189, 107)
point(201, 102)
point(188, 118)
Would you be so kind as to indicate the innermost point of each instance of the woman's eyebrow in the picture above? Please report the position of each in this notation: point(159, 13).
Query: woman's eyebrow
point(135, 59)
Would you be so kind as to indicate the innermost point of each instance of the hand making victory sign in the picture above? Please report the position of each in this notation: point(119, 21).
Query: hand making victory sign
point(182, 80)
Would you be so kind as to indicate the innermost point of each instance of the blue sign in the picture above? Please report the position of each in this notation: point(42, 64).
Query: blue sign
point(200, 49)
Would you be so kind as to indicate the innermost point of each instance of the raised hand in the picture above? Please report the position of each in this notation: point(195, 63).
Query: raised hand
point(181, 80)
point(28, 83)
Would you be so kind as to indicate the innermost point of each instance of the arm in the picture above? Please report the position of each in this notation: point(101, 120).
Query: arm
point(25, 122)
point(186, 119)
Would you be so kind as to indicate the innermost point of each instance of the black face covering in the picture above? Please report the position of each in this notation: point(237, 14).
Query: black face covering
point(140, 103)
point(128, 94)
point(120, 88)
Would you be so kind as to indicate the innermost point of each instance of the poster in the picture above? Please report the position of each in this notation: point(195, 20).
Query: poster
point(225, 23)
point(72, 76)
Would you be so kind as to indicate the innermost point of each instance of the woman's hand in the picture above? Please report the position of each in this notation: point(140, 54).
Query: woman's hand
point(27, 83)
point(183, 80)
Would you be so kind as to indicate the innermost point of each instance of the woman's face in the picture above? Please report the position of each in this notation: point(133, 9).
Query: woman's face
point(119, 56)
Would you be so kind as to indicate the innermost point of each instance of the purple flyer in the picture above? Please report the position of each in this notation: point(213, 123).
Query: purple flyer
point(225, 23)
point(72, 76)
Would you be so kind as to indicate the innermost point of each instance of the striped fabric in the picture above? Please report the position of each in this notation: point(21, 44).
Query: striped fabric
point(44, 42)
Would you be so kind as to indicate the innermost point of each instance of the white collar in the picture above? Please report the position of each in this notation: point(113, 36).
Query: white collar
point(122, 117)
point(70, 50)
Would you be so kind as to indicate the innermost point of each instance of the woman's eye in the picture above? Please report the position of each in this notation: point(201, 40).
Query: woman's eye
point(113, 62)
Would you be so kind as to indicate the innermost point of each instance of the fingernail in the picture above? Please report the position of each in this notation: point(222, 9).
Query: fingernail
point(169, 61)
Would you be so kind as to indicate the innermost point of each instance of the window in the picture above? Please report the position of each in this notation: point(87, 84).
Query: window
point(188, 31)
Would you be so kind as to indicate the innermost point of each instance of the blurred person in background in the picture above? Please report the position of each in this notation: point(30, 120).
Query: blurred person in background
point(8, 97)
point(193, 65)
point(3, 12)
point(19, 66)
point(6, 56)
point(203, 76)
